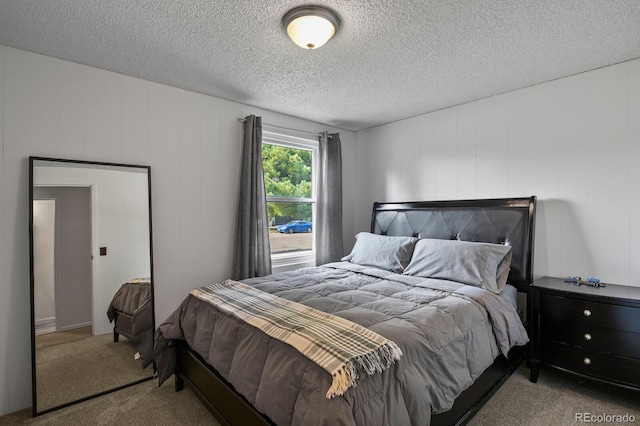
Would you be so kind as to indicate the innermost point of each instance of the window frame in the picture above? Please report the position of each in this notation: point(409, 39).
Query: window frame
point(285, 261)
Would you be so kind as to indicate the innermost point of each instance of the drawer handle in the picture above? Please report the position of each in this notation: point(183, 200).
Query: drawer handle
point(587, 361)
point(587, 313)
point(587, 336)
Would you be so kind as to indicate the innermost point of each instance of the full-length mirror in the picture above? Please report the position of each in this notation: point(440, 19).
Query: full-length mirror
point(91, 279)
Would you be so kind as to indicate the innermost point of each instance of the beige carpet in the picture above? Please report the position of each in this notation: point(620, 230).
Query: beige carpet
point(61, 337)
point(554, 400)
point(73, 365)
point(143, 404)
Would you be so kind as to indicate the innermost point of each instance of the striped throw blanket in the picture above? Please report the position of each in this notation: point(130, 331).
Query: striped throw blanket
point(344, 349)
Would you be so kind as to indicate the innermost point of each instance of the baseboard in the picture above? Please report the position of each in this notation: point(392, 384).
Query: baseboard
point(45, 325)
point(74, 326)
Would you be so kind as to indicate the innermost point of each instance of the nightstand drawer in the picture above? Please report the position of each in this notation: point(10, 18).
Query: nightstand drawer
point(590, 337)
point(606, 315)
point(608, 367)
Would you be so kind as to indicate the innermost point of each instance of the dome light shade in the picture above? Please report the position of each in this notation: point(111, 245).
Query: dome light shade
point(310, 26)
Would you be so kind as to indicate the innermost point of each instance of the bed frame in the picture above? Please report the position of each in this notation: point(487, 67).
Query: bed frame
point(122, 324)
point(508, 221)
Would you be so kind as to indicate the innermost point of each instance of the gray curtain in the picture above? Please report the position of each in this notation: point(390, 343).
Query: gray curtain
point(252, 256)
point(328, 224)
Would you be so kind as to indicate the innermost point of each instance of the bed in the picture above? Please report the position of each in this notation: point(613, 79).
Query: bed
point(131, 312)
point(439, 380)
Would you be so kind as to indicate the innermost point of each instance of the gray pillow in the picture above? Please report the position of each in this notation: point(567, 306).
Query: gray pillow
point(381, 251)
point(478, 264)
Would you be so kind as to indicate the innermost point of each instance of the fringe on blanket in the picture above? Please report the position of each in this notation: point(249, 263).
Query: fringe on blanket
point(361, 366)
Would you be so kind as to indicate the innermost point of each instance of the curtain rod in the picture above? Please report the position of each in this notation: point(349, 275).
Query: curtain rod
point(242, 120)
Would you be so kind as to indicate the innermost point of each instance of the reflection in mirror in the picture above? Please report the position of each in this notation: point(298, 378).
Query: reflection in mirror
point(91, 279)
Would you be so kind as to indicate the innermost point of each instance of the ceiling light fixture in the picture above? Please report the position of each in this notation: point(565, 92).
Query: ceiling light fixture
point(310, 26)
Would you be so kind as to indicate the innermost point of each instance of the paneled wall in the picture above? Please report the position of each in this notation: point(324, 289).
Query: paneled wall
point(5, 288)
point(573, 142)
point(192, 142)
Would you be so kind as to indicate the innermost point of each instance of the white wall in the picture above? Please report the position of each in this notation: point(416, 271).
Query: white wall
point(573, 142)
point(192, 142)
point(44, 230)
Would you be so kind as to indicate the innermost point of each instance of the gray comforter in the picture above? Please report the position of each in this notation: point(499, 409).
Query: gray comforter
point(134, 299)
point(449, 334)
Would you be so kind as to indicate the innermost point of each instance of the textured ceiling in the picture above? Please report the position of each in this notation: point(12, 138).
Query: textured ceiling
point(389, 60)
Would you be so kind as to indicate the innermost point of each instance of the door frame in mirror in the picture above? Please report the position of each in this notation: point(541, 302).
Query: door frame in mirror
point(32, 161)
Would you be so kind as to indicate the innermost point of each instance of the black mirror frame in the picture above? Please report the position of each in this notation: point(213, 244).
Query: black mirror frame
point(32, 160)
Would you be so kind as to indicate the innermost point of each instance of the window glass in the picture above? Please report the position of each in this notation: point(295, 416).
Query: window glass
point(291, 227)
point(287, 171)
point(288, 181)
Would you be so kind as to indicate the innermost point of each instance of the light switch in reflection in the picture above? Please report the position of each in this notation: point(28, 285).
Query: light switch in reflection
point(103, 251)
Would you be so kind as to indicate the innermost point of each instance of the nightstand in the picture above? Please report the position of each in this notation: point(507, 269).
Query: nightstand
point(591, 332)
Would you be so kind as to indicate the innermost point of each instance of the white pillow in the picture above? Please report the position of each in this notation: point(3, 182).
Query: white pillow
point(383, 252)
point(478, 264)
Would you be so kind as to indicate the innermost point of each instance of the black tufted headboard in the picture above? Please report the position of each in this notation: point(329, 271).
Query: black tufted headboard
point(500, 221)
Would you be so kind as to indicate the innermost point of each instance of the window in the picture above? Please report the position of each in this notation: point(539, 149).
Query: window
point(289, 179)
